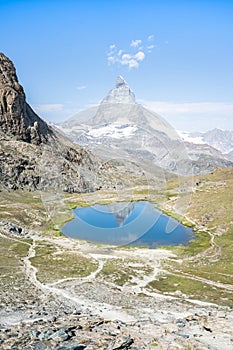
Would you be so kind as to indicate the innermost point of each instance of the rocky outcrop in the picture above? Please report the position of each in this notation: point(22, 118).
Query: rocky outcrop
point(9, 228)
point(56, 166)
point(121, 93)
point(33, 156)
point(17, 119)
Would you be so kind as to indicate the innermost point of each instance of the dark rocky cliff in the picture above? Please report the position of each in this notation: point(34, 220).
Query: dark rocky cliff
point(33, 156)
point(17, 118)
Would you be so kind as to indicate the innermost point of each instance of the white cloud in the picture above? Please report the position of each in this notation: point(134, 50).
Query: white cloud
point(140, 56)
point(128, 60)
point(131, 57)
point(112, 47)
point(150, 47)
point(150, 38)
point(135, 43)
point(111, 50)
point(194, 116)
point(126, 57)
point(112, 59)
point(81, 87)
point(50, 107)
point(190, 107)
point(132, 61)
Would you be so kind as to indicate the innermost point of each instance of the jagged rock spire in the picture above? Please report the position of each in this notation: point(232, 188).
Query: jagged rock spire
point(120, 81)
point(16, 117)
point(121, 93)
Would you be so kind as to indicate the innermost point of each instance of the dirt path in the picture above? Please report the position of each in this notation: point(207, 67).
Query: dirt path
point(153, 257)
point(30, 270)
point(11, 238)
point(201, 279)
point(101, 309)
point(89, 278)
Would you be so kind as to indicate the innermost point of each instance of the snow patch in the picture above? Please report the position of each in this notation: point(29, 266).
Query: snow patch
point(185, 136)
point(116, 131)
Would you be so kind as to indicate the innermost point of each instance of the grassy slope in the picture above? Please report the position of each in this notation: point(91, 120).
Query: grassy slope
point(210, 208)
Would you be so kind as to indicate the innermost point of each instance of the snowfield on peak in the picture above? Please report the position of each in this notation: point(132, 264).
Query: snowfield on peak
point(116, 131)
point(185, 136)
point(121, 128)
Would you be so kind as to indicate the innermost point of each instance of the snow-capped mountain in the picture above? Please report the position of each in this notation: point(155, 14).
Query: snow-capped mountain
point(120, 128)
point(121, 93)
point(222, 140)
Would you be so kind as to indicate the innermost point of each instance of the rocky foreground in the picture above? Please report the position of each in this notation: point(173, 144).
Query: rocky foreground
point(93, 312)
point(59, 325)
point(60, 293)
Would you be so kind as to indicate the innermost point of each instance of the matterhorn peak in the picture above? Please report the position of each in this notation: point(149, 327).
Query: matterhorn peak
point(120, 81)
point(121, 93)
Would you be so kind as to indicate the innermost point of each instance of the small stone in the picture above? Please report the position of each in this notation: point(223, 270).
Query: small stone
point(208, 329)
point(60, 335)
point(45, 335)
point(40, 346)
point(125, 345)
point(180, 323)
point(185, 336)
point(191, 318)
point(72, 346)
point(35, 334)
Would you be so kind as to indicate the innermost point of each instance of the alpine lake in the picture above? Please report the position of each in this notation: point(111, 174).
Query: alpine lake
point(127, 224)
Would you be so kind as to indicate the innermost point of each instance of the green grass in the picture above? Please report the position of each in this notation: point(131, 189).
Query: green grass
point(219, 269)
point(195, 246)
point(211, 208)
point(14, 286)
point(193, 289)
point(12, 252)
point(53, 265)
point(122, 271)
point(23, 208)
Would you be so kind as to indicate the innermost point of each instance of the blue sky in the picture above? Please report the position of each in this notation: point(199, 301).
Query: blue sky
point(177, 56)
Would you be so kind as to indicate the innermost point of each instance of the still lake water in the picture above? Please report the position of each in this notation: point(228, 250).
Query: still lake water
point(133, 223)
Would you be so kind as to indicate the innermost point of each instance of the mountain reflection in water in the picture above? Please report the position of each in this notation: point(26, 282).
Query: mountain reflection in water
point(133, 223)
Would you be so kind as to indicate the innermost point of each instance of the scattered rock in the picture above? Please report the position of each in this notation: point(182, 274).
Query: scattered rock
point(10, 228)
point(125, 345)
point(207, 329)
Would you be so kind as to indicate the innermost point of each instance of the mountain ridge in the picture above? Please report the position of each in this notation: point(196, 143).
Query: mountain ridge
point(18, 120)
point(117, 129)
point(121, 93)
point(33, 155)
point(221, 140)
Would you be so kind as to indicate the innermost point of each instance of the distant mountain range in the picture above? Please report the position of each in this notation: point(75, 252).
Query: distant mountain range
point(222, 140)
point(120, 128)
point(119, 138)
